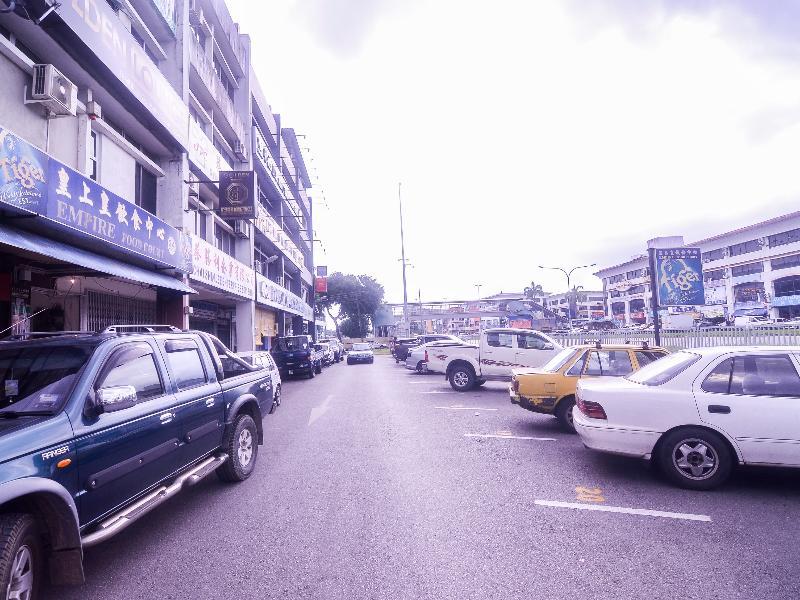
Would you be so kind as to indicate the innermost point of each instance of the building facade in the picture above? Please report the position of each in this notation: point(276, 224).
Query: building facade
point(751, 271)
point(586, 305)
point(116, 121)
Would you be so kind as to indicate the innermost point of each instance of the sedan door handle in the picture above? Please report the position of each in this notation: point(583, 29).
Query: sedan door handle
point(719, 409)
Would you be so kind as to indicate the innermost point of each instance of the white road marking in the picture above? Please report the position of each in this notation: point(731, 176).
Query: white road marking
point(462, 408)
point(509, 437)
point(420, 382)
point(621, 509)
point(320, 410)
point(441, 392)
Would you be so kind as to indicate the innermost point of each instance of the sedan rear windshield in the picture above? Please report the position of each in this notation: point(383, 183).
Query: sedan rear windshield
point(664, 369)
point(39, 378)
point(360, 347)
point(290, 344)
point(559, 360)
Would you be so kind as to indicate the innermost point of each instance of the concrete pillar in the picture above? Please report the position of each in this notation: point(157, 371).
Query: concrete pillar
point(627, 312)
point(245, 326)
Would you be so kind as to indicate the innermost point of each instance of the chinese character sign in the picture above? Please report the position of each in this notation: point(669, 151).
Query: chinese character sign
point(679, 277)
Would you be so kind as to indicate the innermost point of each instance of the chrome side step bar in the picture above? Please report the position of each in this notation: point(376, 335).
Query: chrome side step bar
point(116, 523)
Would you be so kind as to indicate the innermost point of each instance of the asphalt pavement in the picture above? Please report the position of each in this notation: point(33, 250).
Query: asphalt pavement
point(375, 482)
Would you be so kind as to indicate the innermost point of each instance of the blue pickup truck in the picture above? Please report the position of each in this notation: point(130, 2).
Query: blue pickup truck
point(98, 429)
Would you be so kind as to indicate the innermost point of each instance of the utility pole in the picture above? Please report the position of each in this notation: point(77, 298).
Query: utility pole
point(403, 259)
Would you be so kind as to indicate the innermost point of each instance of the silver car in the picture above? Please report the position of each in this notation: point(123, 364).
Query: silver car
point(263, 359)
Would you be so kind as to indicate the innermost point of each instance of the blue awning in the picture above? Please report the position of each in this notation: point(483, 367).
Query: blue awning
point(83, 258)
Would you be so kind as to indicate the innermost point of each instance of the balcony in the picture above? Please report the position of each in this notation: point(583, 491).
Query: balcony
point(204, 67)
point(235, 52)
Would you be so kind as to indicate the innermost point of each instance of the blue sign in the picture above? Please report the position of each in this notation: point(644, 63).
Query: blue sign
point(679, 277)
point(34, 181)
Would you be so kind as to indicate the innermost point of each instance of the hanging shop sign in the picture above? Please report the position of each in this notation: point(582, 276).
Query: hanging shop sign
point(35, 181)
point(275, 234)
point(203, 153)
point(213, 267)
point(679, 277)
point(106, 36)
point(320, 284)
point(237, 199)
point(271, 294)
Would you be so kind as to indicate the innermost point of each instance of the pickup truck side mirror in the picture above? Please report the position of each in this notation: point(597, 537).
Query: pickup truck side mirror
point(112, 399)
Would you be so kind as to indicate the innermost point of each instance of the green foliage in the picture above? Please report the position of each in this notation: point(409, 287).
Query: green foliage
point(352, 302)
point(534, 290)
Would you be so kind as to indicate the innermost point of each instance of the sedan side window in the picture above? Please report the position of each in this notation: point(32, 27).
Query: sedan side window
point(609, 363)
point(577, 368)
point(133, 364)
point(719, 380)
point(764, 376)
point(500, 340)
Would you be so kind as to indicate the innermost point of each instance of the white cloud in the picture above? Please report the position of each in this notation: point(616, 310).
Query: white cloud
point(522, 140)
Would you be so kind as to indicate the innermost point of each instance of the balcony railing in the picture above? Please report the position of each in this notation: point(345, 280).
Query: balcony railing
point(205, 69)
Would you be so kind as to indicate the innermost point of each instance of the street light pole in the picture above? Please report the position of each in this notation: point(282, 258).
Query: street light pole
point(403, 259)
point(569, 289)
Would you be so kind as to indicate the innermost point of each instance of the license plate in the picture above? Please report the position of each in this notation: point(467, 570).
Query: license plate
point(291, 372)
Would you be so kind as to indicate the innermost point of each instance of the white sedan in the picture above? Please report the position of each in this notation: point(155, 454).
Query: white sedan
point(698, 413)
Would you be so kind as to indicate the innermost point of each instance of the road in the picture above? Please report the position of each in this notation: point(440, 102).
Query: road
point(373, 483)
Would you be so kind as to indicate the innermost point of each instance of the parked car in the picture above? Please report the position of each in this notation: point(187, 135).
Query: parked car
point(336, 346)
point(402, 349)
point(328, 356)
point(361, 352)
point(697, 414)
point(551, 389)
point(296, 355)
point(499, 351)
point(417, 359)
point(264, 360)
point(100, 429)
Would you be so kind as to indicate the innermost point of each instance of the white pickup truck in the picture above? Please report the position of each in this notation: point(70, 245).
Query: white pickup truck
point(498, 352)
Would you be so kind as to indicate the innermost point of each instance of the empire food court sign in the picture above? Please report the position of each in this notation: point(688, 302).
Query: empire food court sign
point(36, 182)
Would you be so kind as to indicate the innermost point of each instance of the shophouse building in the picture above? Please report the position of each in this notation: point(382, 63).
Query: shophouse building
point(116, 119)
point(751, 271)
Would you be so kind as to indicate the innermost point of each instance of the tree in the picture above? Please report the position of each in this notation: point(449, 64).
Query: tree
point(534, 290)
point(351, 303)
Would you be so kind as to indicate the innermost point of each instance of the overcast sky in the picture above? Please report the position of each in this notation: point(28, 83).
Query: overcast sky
point(530, 132)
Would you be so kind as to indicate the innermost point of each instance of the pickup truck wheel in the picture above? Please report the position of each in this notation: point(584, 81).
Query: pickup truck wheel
point(462, 379)
point(318, 368)
point(312, 372)
point(241, 444)
point(564, 414)
point(20, 557)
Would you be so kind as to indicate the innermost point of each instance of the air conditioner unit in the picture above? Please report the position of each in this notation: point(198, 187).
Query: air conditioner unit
point(241, 229)
point(240, 150)
point(53, 90)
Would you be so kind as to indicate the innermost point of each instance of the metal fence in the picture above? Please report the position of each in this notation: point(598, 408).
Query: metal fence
point(691, 338)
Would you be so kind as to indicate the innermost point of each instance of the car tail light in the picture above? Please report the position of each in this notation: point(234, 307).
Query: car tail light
point(515, 384)
point(593, 410)
point(426, 356)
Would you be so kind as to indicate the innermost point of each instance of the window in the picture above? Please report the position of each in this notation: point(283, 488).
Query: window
point(495, 339)
point(785, 262)
point(719, 380)
point(717, 275)
point(748, 269)
point(788, 286)
point(764, 376)
point(717, 254)
point(184, 361)
point(93, 156)
point(786, 237)
point(644, 357)
point(133, 364)
point(744, 247)
point(609, 363)
point(663, 370)
point(145, 191)
point(577, 367)
point(531, 341)
point(223, 240)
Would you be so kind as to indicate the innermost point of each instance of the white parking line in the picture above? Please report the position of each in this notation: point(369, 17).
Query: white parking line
point(463, 408)
point(441, 392)
point(621, 509)
point(320, 410)
point(509, 437)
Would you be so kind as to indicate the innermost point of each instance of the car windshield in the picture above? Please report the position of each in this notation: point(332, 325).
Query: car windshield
point(559, 360)
point(39, 378)
point(290, 344)
point(664, 369)
point(360, 347)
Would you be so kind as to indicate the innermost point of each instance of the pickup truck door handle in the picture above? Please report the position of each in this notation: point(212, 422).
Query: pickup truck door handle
point(167, 418)
point(719, 409)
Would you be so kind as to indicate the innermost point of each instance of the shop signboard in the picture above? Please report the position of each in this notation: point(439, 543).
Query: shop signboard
point(679, 277)
point(105, 34)
point(214, 268)
point(237, 197)
point(271, 294)
point(275, 234)
point(35, 181)
point(321, 284)
point(203, 153)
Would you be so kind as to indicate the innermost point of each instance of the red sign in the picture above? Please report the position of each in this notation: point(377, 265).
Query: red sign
point(320, 285)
